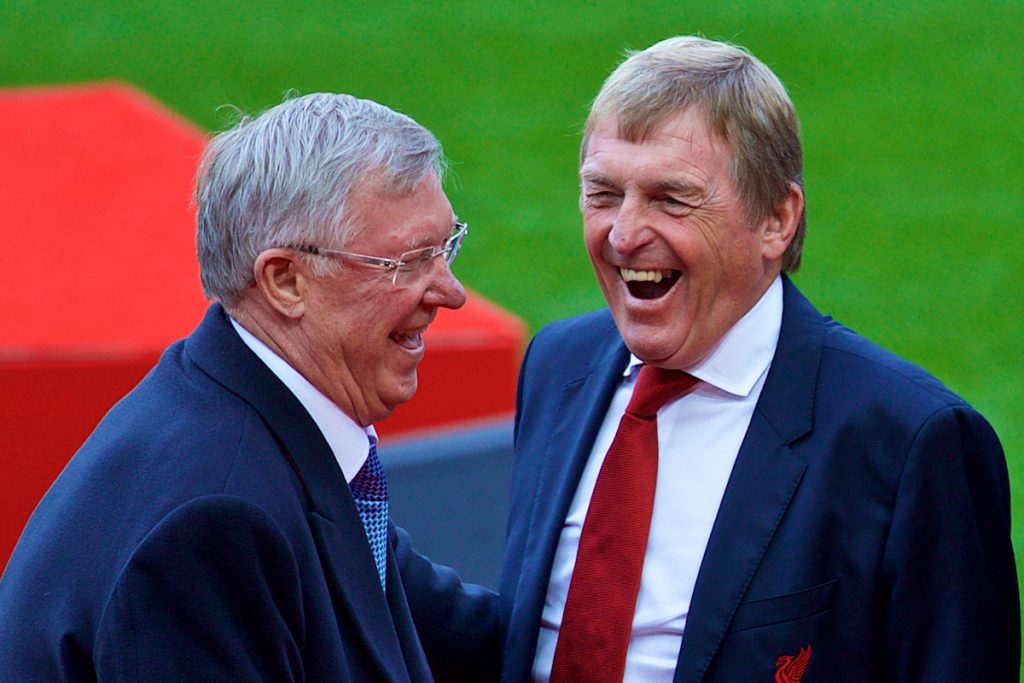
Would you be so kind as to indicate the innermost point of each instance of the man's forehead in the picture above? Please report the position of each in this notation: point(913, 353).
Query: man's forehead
point(687, 126)
point(670, 153)
point(392, 219)
point(616, 167)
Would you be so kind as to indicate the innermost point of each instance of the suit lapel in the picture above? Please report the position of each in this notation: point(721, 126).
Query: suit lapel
point(334, 520)
point(581, 409)
point(415, 659)
point(764, 479)
point(358, 591)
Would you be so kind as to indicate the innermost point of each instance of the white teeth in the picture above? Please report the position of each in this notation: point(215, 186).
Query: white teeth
point(644, 275)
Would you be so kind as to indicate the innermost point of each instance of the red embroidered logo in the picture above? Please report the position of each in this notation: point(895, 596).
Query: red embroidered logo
point(791, 669)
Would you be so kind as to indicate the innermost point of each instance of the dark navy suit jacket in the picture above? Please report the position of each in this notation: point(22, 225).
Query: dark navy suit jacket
point(205, 532)
point(867, 515)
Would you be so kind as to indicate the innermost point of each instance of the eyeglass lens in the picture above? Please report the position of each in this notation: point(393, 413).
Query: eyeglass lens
point(417, 262)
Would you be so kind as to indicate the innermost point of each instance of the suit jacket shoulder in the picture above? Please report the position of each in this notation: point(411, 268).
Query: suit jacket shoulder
point(844, 349)
point(571, 344)
point(867, 512)
point(204, 531)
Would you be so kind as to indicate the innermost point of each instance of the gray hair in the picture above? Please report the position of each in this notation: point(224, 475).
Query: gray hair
point(283, 178)
point(742, 101)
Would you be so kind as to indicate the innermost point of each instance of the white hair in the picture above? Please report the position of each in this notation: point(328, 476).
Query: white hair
point(284, 178)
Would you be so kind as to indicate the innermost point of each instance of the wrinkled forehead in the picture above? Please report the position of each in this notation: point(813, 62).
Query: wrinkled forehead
point(639, 126)
point(409, 217)
point(685, 138)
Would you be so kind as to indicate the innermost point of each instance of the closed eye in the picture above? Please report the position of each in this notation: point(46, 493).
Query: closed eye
point(600, 197)
point(674, 204)
point(415, 259)
point(418, 258)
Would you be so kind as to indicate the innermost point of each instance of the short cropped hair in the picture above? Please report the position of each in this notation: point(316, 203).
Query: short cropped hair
point(742, 101)
point(283, 178)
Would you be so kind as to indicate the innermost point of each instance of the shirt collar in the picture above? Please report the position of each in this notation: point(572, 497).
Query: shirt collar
point(746, 350)
point(349, 442)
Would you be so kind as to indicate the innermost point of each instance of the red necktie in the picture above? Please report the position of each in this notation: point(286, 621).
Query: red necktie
point(598, 616)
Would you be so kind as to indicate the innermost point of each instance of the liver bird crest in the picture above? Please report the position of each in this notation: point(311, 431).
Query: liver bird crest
point(790, 669)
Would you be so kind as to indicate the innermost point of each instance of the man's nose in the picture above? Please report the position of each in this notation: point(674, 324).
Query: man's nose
point(444, 289)
point(630, 229)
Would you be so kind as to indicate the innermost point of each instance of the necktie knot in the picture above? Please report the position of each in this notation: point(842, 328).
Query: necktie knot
point(370, 494)
point(657, 386)
point(369, 482)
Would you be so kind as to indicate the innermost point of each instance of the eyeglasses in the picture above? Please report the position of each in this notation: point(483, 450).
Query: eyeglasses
point(409, 266)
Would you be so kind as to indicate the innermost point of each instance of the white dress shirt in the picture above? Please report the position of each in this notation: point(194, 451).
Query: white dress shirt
point(699, 436)
point(349, 442)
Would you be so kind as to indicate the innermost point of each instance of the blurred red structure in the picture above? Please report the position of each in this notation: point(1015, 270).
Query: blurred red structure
point(99, 252)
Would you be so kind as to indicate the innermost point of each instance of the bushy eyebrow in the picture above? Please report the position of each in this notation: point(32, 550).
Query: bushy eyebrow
point(678, 186)
point(595, 178)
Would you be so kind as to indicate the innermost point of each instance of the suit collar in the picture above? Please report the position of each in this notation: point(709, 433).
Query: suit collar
point(787, 399)
point(610, 357)
point(218, 350)
point(764, 479)
point(585, 395)
point(349, 442)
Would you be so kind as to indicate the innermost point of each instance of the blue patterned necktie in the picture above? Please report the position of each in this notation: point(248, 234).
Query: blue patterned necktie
point(370, 493)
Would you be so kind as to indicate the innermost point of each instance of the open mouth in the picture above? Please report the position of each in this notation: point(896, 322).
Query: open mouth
point(410, 339)
point(649, 284)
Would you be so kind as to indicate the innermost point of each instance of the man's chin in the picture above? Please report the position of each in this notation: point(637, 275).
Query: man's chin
point(402, 391)
point(652, 346)
point(646, 351)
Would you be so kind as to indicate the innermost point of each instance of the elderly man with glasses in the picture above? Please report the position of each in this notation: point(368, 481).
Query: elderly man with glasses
point(227, 520)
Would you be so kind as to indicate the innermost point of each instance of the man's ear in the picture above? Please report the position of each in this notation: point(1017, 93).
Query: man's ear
point(779, 227)
point(282, 279)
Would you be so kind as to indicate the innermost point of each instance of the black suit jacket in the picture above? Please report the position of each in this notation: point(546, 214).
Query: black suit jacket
point(867, 515)
point(205, 532)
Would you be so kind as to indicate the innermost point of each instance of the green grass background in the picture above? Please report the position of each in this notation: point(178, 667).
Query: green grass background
point(911, 116)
